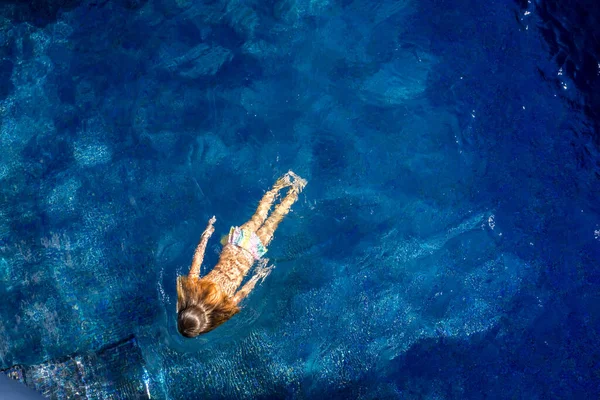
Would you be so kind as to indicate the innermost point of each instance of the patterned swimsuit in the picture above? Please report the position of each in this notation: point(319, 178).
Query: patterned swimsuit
point(247, 240)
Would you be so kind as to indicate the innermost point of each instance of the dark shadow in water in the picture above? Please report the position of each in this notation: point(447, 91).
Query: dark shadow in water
point(36, 12)
point(43, 12)
point(572, 31)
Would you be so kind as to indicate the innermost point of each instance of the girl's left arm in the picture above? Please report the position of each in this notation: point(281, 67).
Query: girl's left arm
point(245, 290)
point(262, 271)
point(200, 250)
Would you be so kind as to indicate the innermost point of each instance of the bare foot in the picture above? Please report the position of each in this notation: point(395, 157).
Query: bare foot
point(298, 183)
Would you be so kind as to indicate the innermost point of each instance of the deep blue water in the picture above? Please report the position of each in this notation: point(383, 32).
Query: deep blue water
point(446, 246)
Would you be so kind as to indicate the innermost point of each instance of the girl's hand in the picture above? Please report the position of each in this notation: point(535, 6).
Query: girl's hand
point(210, 229)
point(263, 270)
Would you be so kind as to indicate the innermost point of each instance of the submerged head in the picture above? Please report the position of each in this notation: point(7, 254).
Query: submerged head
point(192, 321)
point(201, 306)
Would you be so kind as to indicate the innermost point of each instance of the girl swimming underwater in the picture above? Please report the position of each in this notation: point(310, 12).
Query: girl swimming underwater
point(205, 303)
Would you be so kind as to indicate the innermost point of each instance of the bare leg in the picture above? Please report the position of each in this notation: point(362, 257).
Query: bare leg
point(265, 204)
point(265, 233)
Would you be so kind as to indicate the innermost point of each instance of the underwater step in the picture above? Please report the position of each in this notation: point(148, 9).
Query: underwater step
point(115, 372)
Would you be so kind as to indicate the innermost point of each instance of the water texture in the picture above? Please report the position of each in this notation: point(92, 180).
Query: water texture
point(446, 246)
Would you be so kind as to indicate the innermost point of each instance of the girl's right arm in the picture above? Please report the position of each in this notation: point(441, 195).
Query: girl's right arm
point(199, 253)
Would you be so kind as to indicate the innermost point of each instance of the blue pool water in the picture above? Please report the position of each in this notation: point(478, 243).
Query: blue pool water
point(446, 245)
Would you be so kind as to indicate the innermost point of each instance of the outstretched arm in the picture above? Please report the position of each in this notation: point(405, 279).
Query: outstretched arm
point(199, 253)
point(262, 271)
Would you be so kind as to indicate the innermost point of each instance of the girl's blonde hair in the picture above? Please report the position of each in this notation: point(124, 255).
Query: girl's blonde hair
point(201, 306)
